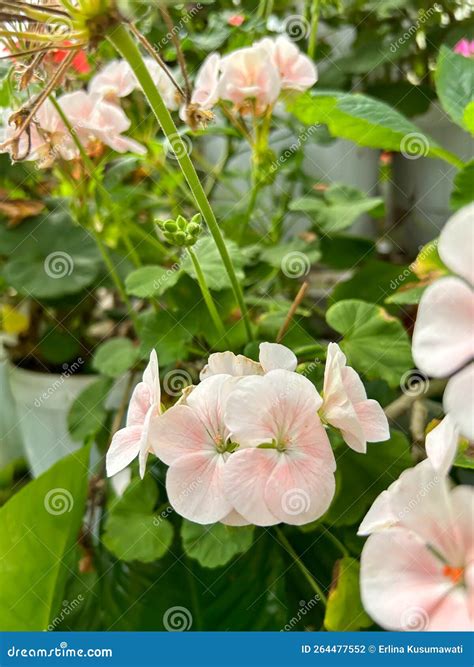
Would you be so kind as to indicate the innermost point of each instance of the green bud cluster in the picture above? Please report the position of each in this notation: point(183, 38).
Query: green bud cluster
point(182, 232)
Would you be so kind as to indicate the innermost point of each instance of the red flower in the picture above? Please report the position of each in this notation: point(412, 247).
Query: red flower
point(79, 62)
point(236, 20)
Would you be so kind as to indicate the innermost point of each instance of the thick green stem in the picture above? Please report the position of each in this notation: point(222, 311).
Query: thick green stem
point(313, 35)
point(309, 577)
point(211, 306)
point(124, 44)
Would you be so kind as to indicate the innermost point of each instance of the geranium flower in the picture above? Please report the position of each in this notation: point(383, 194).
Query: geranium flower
point(441, 445)
point(205, 92)
point(115, 80)
point(134, 439)
point(271, 357)
point(417, 566)
point(284, 467)
point(79, 63)
point(443, 338)
point(465, 47)
point(346, 405)
point(250, 80)
point(164, 84)
point(193, 440)
point(297, 71)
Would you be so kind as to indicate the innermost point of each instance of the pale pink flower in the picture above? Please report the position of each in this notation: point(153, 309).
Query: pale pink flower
point(284, 467)
point(249, 79)
point(205, 92)
point(465, 47)
point(271, 357)
point(193, 440)
point(441, 445)
point(346, 406)
point(164, 84)
point(417, 566)
point(443, 339)
point(94, 118)
point(297, 71)
point(115, 80)
point(134, 439)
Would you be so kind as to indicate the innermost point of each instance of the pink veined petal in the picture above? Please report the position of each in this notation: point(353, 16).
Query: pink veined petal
point(124, 447)
point(454, 612)
point(208, 401)
point(381, 515)
point(441, 445)
point(353, 384)
point(458, 400)
point(145, 447)
point(274, 355)
point(246, 474)
point(123, 144)
point(235, 519)
point(373, 420)
point(300, 488)
point(227, 363)
point(443, 339)
point(456, 243)
point(195, 487)
point(402, 582)
point(139, 405)
point(151, 377)
point(179, 432)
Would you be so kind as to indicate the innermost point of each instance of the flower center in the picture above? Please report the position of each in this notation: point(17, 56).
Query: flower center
point(454, 573)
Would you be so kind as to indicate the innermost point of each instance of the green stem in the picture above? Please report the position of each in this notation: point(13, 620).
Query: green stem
point(309, 577)
point(313, 35)
point(335, 540)
point(211, 306)
point(124, 44)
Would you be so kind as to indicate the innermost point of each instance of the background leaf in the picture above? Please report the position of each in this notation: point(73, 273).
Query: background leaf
point(215, 545)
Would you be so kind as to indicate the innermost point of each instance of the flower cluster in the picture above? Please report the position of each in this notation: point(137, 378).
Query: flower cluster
point(465, 47)
point(252, 78)
point(248, 444)
point(94, 115)
point(420, 551)
point(443, 339)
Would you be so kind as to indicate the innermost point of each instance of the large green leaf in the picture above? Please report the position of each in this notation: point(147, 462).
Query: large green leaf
point(375, 343)
point(165, 333)
point(114, 357)
point(373, 282)
point(338, 208)
point(455, 84)
point(215, 545)
point(87, 415)
point(133, 530)
point(367, 122)
point(149, 281)
point(344, 611)
point(360, 478)
point(40, 526)
point(49, 257)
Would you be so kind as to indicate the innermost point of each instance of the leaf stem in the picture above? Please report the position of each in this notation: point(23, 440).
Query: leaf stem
point(124, 44)
point(211, 306)
point(307, 574)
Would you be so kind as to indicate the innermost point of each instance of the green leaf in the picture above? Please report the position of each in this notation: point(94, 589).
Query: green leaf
point(278, 254)
point(375, 343)
point(344, 251)
point(407, 296)
point(463, 192)
point(366, 121)
point(465, 455)
point(150, 281)
point(215, 545)
point(165, 333)
point(133, 531)
point(373, 282)
point(360, 478)
point(338, 208)
point(211, 263)
point(40, 525)
point(115, 357)
point(344, 611)
point(468, 117)
point(454, 78)
point(87, 415)
point(56, 257)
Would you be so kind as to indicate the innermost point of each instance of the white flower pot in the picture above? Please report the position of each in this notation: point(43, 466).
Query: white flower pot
point(42, 403)
point(422, 186)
